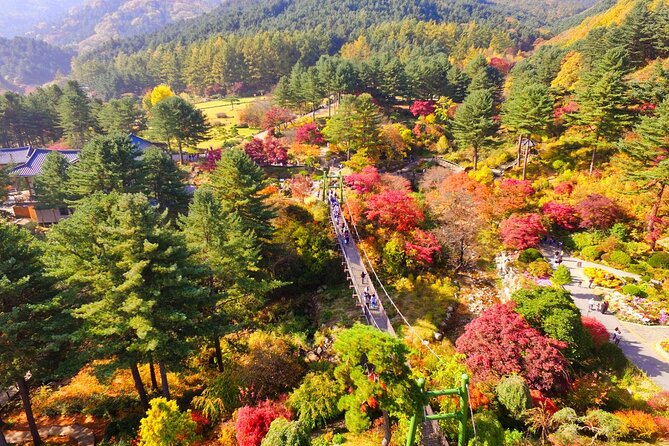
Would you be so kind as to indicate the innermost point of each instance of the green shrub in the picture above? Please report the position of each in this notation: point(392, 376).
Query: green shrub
point(561, 276)
point(591, 253)
point(286, 433)
point(584, 239)
point(659, 260)
point(513, 438)
point(637, 268)
point(165, 424)
point(530, 255)
point(633, 290)
point(605, 425)
point(338, 439)
point(320, 441)
point(618, 258)
point(514, 394)
point(221, 397)
point(124, 428)
point(490, 431)
point(619, 231)
point(540, 269)
point(315, 401)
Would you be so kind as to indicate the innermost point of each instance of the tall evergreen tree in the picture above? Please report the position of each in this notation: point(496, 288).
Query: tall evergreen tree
point(528, 111)
point(131, 281)
point(107, 164)
point(174, 119)
point(75, 115)
point(165, 182)
point(237, 182)
point(34, 329)
point(232, 257)
point(647, 161)
point(121, 116)
point(603, 101)
point(51, 184)
point(473, 123)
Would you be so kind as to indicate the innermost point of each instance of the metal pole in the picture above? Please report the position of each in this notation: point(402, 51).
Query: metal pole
point(464, 409)
point(413, 423)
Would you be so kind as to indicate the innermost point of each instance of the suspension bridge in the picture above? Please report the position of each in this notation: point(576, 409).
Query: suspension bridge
point(364, 286)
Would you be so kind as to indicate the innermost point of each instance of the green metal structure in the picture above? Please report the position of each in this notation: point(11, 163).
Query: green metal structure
point(460, 415)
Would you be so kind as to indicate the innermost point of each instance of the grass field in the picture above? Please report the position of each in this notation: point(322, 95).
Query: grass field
point(211, 109)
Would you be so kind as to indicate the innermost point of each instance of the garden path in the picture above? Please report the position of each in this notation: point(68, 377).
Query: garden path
point(82, 435)
point(639, 342)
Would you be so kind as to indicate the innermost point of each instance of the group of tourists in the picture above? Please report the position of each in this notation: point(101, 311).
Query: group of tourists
point(602, 307)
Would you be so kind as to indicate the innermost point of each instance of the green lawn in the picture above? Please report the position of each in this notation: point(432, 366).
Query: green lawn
point(211, 109)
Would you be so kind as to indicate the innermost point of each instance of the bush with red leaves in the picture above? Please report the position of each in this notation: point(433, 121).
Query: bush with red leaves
point(597, 330)
point(253, 421)
point(268, 151)
point(422, 108)
point(500, 342)
point(561, 214)
point(395, 209)
point(309, 134)
point(522, 231)
point(365, 181)
point(422, 247)
point(511, 195)
point(564, 188)
point(598, 212)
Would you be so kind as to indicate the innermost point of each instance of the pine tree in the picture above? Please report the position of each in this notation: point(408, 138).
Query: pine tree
point(175, 119)
point(473, 123)
point(165, 182)
point(106, 164)
point(34, 329)
point(131, 280)
point(75, 115)
point(603, 101)
point(528, 111)
point(237, 182)
point(121, 116)
point(232, 256)
point(51, 184)
point(647, 161)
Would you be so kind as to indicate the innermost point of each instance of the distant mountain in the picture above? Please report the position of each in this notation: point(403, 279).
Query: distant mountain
point(27, 62)
point(549, 10)
point(19, 16)
point(96, 21)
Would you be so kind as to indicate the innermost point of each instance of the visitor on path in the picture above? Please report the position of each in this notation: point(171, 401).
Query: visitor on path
point(346, 239)
point(590, 282)
point(374, 302)
point(617, 335)
point(591, 304)
point(362, 276)
point(604, 307)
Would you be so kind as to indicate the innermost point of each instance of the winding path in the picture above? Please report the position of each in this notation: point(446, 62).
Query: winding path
point(83, 435)
point(639, 342)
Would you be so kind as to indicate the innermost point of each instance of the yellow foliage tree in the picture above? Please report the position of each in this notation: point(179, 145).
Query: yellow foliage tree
point(570, 72)
point(159, 93)
point(356, 50)
point(165, 425)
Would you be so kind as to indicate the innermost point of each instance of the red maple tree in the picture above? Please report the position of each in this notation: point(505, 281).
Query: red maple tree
point(598, 212)
point(253, 421)
point(309, 134)
point(500, 342)
point(394, 209)
point(522, 231)
point(562, 214)
point(365, 181)
point(422, 246)
point(422, 108)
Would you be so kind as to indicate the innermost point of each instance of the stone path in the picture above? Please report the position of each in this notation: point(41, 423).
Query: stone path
point(82, 435)
point(639, 342)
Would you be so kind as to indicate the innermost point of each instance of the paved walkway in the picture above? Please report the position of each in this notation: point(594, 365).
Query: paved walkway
point(638, 341)
point(82, 435)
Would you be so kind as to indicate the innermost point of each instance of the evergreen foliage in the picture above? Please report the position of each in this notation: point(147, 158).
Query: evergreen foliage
point(51, 188)
point(175, 120)
point(164, 424)
point(165, 182)
point(75, 115)
point(473, 124)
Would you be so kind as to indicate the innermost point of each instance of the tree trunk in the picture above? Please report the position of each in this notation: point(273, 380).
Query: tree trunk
point(519, 146)
point(152, 372)
point(163, 379)
point(476, 158)
point(181, 152)
point(139, 386)
point(219, 354)
point(25, 398)
point(592, 160)
point(653, 215)
point(3, 440)
point(527, 155)
point(386, 429)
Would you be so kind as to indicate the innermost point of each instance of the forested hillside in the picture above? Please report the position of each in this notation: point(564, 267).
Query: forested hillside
point(26, 61)
point(19, 17)
point(95, 22)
